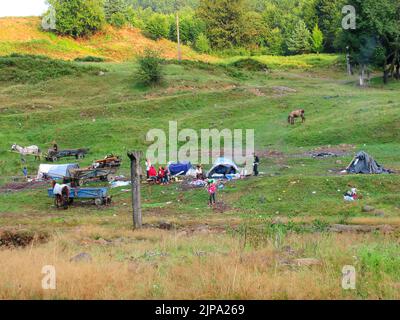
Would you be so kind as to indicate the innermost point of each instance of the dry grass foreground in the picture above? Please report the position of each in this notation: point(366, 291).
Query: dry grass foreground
point(23, 35)
point(154, 264)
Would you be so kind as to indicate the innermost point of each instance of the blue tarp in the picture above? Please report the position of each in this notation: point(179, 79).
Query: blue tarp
point(176, 168)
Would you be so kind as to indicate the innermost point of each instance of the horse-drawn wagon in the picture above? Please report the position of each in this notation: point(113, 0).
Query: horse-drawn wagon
point(98, 195)
point(54, 155)
point(80, 176)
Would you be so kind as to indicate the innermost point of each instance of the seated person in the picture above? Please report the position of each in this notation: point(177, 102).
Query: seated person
point(153, 174)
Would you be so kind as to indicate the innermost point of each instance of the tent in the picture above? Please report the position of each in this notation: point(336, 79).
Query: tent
point(364, 163)
point(56, 172)
point(180, 168)
point(223, 166)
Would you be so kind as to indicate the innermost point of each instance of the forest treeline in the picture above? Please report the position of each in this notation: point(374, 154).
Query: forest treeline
point(251, 27)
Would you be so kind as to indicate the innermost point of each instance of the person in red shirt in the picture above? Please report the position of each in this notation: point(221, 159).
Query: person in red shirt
point(153, 173)
point(161, 174)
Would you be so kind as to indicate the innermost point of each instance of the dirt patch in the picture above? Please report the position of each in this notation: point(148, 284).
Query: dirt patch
point(221, 207)
point(21, 238)
point(21, 186)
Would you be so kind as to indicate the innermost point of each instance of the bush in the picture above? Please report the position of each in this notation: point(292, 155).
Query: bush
point(90, 59)
point(202, 44)
point(157, 27)
point(250, 65)
point(32, 69)
point(150, 68)
point(118, 20)
point(78, 18)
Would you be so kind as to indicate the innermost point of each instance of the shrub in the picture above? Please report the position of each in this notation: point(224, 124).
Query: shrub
point(32, 69)
point(157, 27)
point(202, 44)
point(250, 65)
point(118, 20)
point(78, 18)
point(90, 59)
point(150, 68)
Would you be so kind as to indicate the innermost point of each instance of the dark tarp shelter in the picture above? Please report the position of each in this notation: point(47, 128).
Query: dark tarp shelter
point(223, 166)
point(179, 168)
point(363, 163)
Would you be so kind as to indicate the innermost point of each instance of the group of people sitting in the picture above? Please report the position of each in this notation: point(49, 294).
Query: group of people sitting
point(162, 176)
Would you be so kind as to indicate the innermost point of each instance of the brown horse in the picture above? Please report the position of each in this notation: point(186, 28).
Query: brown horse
point(296, 114)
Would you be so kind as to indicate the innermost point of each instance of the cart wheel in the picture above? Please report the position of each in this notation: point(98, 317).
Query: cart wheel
point(54, 159)
point(98, 202)
point(111, 177)
point(80, 156)
point(81, 182)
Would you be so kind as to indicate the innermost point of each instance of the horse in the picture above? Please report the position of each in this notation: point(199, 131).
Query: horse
point(296, 114)
point(31, 150)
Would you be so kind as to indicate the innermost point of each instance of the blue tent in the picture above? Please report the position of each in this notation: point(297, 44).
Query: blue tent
point(179, 168)
point(223, 166)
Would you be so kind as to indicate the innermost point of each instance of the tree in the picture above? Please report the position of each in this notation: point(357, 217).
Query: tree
point(150, 68)
point(112, 7)
point(157, 26)
point(224, 21)
point(78, 18)
point(375, 40)
point(329, 15)
point(317, 39)
point(299, 41)
point(202, 44)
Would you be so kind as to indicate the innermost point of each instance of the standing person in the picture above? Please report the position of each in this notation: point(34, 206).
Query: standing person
point(148, 166)
point(25, 172)
point(212, 190)
point(166, 175)
point(199, 172)
point(256, 163)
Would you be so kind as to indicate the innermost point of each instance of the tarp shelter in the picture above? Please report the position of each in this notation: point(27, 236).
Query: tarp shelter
point(365, 164)
point(179, 168)
point(223, 166)
point(55, 172)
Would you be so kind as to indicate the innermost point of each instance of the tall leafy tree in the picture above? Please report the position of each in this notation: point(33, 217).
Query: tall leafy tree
point(299, 41)
point(224, 21)
point(78, 18)
point(317, 39)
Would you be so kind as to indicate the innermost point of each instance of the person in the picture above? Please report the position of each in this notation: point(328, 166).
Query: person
point(55, 147)
point(199, 172)
point(166, 175)
point(148, 166)
point(212, 190)
point(61, 192)
point(25, 172)
point(256, 163)
point(153, 174)
point(161, 174)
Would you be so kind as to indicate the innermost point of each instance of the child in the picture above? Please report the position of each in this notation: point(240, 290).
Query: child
point(212, 189)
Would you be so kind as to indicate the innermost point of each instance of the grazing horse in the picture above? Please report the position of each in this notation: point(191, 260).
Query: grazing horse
point(296, 114)
point(31, 150)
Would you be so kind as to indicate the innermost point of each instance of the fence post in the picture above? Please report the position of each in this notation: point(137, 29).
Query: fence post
point(135, 157)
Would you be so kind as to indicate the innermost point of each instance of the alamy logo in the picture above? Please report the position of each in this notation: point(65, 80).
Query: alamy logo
point(349, 21)
point(49, 280)
point(195, 146)
point(349, 278)
point(49, 20)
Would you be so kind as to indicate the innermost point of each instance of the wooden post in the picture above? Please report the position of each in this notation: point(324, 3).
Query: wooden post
point(178, 35)
point(135, 179)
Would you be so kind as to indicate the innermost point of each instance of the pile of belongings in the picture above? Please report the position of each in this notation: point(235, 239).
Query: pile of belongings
point(351, 195)
point(365, 164)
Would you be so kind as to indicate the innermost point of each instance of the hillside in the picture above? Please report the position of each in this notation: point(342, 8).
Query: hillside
point(23, 35)
point(250, 245)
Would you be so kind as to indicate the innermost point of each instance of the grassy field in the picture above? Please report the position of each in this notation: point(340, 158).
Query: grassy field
point(250, 245)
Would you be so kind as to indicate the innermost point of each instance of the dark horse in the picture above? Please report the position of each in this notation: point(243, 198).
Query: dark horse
point(296, 114)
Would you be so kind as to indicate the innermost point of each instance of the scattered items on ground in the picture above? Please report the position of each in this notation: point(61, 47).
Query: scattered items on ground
point(351, 195)
point(323, 155)
point(363, 163)
point(296, 114)
point(110, 161)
